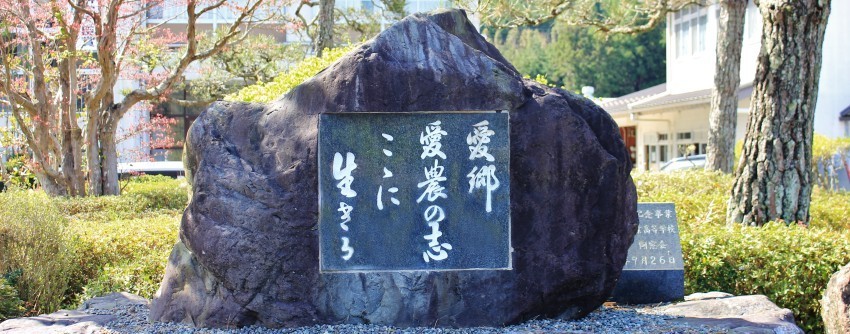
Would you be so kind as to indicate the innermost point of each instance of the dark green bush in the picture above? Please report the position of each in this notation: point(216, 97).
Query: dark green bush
point(124, 241)
point(700, 197)
point(791, 265)
point(142, 196)
point(10, 304)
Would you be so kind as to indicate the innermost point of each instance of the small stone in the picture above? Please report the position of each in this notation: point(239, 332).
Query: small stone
point(755, 311)
point(836, 302)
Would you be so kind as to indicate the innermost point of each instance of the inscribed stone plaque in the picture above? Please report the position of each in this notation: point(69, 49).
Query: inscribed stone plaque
point(414, 191)
point(654, 270)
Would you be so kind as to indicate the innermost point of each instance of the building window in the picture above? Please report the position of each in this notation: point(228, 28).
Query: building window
point(662, 136)
point(689, 26)
point(182, 118)
point(655, 156)
point(683, 136)
point(651, 156)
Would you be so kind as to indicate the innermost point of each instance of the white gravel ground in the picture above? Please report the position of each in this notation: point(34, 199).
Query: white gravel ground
point(133, 319)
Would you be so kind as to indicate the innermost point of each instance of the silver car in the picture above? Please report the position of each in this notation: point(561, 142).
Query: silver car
point(684, 163)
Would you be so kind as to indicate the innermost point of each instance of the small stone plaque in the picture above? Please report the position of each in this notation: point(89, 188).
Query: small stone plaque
point(654, 270)
point(414, 191)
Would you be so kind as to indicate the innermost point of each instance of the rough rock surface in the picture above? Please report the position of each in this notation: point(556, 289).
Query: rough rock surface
point(836, 302)
point(83, 320)
point(113, 300)
point(249, 247)
point(707, 295)
point(741, 314)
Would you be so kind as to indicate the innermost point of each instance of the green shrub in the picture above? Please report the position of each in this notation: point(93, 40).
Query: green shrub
point(10, 304)
point(141, 196)
point(58, 251)
point(18, 174)
point(140, 275)
point(123, 254)
point(303, 70)
point(158, 193)
point(700, 196)
point(830, 210)
point(35, 244)
point(824, 150)
point(791, 265)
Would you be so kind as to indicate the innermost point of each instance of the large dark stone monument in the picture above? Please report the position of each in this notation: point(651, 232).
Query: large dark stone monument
point(249, 240)
point(654, 270)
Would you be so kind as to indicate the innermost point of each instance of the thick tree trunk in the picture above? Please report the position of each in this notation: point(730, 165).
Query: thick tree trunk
point(71, 133)
point(774, 179)
point(326, 26)
point(109, 164)
point(93, 154)
point(724, 96)
point(103, 154)
point(50, 185)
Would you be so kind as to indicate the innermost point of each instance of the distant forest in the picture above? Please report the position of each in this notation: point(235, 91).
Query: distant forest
point(573, 57)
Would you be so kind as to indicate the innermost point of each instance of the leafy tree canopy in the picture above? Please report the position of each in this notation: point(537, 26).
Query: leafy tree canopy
point(574, 56)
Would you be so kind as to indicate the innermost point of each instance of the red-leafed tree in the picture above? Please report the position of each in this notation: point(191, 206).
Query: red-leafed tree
point(61, 60)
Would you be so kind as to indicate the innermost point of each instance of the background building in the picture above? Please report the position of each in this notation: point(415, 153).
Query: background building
point(671, 120)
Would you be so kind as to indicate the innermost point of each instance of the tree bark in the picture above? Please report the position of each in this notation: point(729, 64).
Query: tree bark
point(109, 164)
point(71, 134)
point(326, 26)
point(51, 185)
point(774, 180)
point(724, 95)
point(93, 154)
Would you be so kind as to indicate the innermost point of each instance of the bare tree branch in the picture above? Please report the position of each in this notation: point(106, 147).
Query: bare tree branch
point(190, 56)
point(82, 9)
point(18, 98)
point(30, 137)
point(211, 7)
point(307, 25)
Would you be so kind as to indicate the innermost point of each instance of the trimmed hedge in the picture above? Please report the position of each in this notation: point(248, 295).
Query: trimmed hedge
point(269, 91)
point(791, 265)
point(59, 251)
point(122, 243)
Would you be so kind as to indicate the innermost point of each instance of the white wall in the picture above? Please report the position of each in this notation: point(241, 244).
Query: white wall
point(834, 87)
point(134, 148)
point(696, 72)
point(691, 72)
